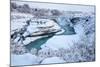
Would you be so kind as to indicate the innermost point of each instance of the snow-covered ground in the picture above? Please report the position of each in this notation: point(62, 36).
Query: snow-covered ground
point(29, 59)
point(25, 59)
point(59, 48)
point(61, 41)
point(53, 60)
point(18, 20)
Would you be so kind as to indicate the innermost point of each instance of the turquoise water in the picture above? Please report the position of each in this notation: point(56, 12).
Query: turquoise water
point(37, 43)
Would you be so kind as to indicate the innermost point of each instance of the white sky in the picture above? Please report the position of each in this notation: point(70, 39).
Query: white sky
point(65, 7)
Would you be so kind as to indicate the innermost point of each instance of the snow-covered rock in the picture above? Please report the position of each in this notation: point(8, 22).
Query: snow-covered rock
point(53, 60)
point(40, 26)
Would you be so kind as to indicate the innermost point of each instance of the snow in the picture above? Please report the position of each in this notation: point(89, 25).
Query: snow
point(79, 29)
point(17, 24)
point(25, 59)
point(19, 20)
point(53, 60)
point(16, 40)
point(21, 15)
point(29, 59)
point(32, 28)
point(61, 41)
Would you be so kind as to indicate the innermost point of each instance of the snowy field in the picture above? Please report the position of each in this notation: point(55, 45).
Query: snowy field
point(48, 35)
